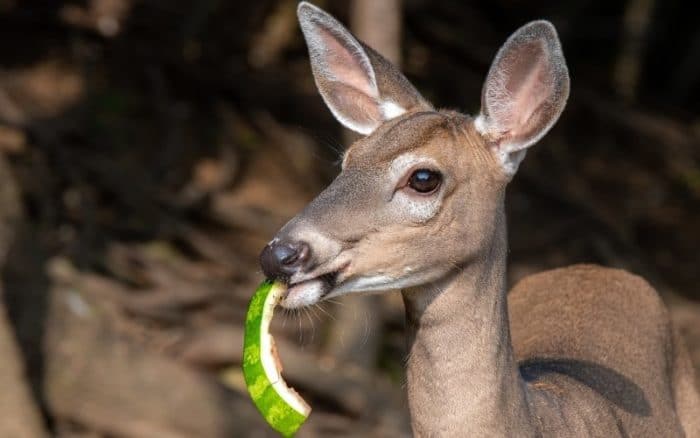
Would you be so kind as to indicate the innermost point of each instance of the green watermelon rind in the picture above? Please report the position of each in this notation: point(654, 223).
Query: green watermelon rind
point(281, 407)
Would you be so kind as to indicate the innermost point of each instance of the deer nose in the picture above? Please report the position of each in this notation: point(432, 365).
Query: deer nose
point(281, 260)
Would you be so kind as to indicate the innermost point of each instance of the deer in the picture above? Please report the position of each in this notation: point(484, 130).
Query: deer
point(418, 206)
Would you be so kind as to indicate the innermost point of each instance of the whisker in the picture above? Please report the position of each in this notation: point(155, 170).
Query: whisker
point(330, 143)
point(312, 309)
point(297, 312)
point(335, 301)
point(365, 332)
point(319, 307)
point(313, 327)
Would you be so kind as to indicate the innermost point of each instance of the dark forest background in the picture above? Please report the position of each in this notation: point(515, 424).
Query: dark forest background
point(149, 149)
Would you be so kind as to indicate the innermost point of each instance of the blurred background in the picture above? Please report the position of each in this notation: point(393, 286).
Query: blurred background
point(149, 149)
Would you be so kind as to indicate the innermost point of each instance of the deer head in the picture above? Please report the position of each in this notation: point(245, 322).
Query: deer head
point(422, 193)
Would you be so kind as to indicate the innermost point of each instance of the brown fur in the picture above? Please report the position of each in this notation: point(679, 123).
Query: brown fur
point(587, 351)
point(598, 336)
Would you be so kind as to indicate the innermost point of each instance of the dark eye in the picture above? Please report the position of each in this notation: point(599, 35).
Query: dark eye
point(424, 180)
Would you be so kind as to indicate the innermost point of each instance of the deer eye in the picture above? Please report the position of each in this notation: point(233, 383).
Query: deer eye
point(424, 181)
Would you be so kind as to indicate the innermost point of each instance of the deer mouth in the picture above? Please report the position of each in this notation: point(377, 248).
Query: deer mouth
point(309, 292)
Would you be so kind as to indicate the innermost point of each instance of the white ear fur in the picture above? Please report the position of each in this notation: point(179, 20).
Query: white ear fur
point(344, 73)
point(524, 93)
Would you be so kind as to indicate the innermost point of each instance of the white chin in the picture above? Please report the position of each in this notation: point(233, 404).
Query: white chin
point(303, 294)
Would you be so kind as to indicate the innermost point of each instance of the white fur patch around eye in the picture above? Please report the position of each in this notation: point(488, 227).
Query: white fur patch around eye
point(417, 208)
point(401, 164)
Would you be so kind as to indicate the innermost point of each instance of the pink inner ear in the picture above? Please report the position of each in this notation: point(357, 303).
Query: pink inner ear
point(346, 65)
point(358, 108)
point(520, 88)
point(529, 85)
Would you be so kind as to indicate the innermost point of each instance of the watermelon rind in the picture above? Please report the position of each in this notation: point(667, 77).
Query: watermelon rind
point(283, 409)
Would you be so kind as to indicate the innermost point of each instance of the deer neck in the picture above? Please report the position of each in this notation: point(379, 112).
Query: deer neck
point(462, 376)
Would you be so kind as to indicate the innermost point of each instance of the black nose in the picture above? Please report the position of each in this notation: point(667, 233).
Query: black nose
point(281, 260)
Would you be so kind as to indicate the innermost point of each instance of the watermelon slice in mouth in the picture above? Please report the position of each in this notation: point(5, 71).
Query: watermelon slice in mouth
point(279, 404)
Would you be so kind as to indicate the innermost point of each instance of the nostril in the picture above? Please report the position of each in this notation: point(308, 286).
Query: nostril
point(281, 260)
point(285, 254)
point(300, 256)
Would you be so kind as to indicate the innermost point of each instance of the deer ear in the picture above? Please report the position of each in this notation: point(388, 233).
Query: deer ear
point(524, 93)
point(360, 87)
